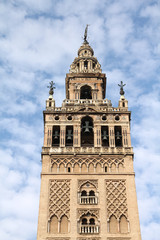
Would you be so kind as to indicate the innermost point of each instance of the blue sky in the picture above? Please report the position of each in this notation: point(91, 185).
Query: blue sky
point(39, 39)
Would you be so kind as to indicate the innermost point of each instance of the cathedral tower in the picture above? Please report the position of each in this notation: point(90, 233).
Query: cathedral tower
point(87, 180)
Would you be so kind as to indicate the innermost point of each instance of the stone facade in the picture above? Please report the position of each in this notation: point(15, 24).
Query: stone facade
point(87, 181)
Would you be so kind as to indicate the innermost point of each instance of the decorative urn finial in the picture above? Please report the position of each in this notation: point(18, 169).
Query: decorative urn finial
point(51, 88)
point(122, 92)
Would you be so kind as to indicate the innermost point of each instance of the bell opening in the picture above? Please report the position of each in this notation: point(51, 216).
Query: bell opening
point(69, 135)
point(118, 136)
point(86, 92)
point(56, 136)
point(87, 136)
point(105, 136)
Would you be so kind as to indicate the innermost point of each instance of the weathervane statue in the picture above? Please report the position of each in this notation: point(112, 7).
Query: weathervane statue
point(122, 92)
point(51, 88)
point(85, 34)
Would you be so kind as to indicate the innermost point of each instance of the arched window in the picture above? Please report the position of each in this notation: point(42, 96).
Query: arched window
point(83, 193)
point(84, 221)
point(87, 137)
point(89, 224)
point(86, 92)
point(91, 193)
point(85, 64)
point(91, 221)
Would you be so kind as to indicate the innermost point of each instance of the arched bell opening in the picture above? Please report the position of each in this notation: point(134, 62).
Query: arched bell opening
point(105, 136)
point(69, 135)
point(87, 135)
point(56, 136)
point(86, 92)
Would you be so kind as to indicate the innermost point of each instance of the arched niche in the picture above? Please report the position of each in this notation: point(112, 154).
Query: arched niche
point(85, 92)
point(87, 135)
point(84, 168)
point(54, 225)
point(123, 224)
point(54, 168)
point(113, 225)
point(64, 224)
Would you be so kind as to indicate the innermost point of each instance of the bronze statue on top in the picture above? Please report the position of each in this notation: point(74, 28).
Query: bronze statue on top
point(51, 88)
point(85, 34)
point(122, 92)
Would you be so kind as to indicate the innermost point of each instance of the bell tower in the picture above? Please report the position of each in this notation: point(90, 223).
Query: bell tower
point(87, 181)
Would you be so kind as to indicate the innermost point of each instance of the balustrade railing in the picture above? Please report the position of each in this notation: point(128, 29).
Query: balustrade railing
point(90, 229)
point(88, 200)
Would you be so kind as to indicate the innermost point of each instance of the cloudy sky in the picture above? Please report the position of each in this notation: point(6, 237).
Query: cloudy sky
point(39, 40)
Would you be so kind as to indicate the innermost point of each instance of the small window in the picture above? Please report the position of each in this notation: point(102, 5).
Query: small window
point(69, 169)
point(104, 118)
point(93, 65)
point(105, 169)
point(84, 221)
point(92, 221)
point(69, 118)
point(56, 118)
point(117, 117)
point(49, 104)
point(85, 64)
point(123, 104)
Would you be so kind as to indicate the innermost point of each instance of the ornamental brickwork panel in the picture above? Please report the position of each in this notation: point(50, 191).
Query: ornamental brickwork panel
point(59, 198)
point(86, 160)
point(116, 198)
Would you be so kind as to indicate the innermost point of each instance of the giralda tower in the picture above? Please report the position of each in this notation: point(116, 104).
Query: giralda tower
point(87, 181)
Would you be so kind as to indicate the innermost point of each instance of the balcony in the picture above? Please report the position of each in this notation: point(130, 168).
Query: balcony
point(89, 229)
point(88, 200)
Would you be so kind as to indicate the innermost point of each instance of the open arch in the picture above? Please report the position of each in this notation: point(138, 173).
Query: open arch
point(64, 225)
point(87, 136)
point(85, 92)
point(54, 225)
point(83, 193)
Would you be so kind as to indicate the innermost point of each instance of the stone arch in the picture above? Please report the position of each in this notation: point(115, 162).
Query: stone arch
point(54, 224)
point(64, 224)
point(113, 167)
point(84, 168)
point(87, 134)
point(120, 167)
point(54, 168)
point(113, 224)
point(76, 168)
point(91, 168)
point(98, 168)
point(85, 92)
point(61, 168)
point(69, 167)
point(123, 224)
